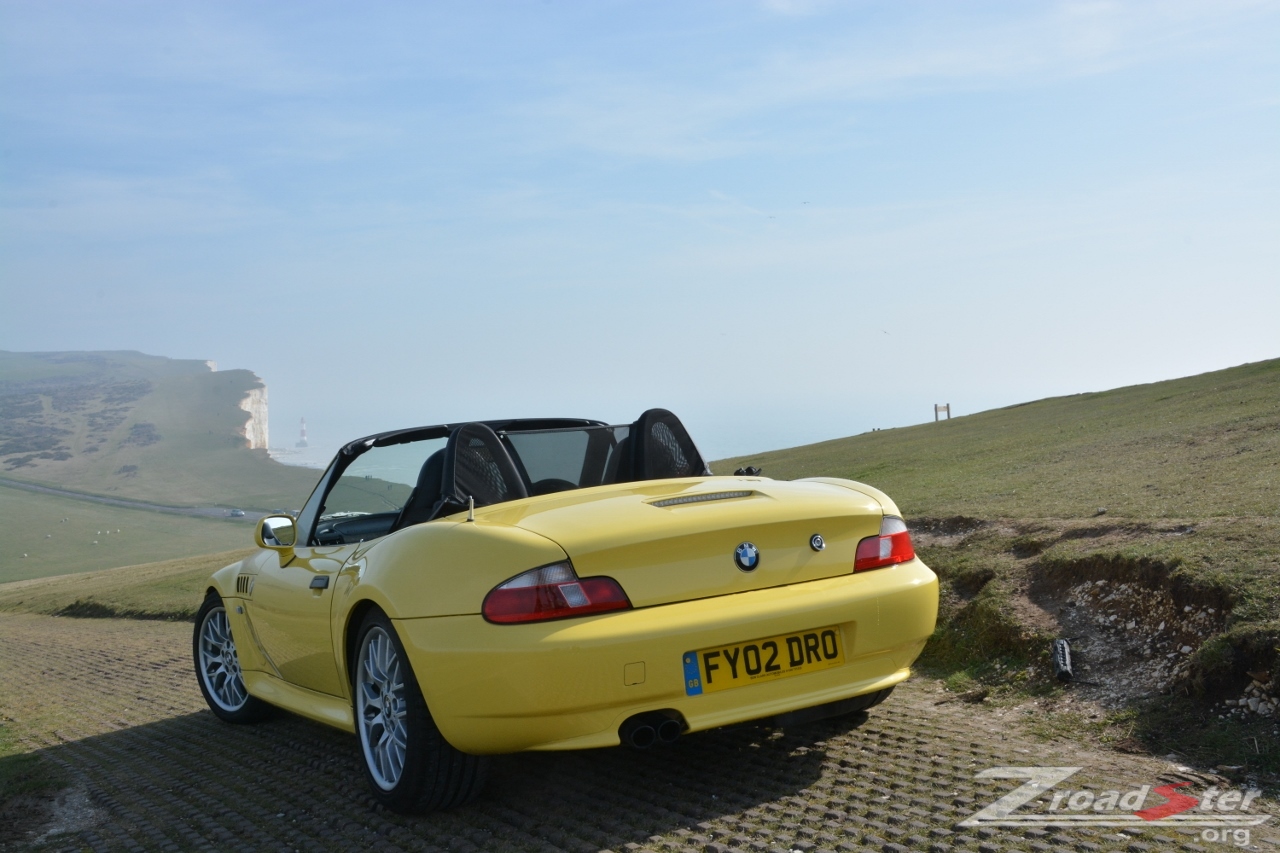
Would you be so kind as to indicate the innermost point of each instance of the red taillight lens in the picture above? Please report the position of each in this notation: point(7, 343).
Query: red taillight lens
point(552, 592)
point(891, 547)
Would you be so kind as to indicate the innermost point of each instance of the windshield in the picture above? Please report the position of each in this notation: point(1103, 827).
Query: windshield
point(379, 480)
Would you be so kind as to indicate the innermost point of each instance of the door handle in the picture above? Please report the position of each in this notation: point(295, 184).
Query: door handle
point(320, 582)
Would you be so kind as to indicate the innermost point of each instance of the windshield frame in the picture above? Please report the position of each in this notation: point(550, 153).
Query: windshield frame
point(309, 518)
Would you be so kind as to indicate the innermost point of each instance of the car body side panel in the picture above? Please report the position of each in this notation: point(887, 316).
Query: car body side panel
point(248, 648)
point(291, 617)
point(560, 685)
point(442, 568)
point(331, 710)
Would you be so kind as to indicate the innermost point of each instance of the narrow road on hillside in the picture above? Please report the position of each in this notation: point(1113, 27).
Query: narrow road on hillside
point(199, 511)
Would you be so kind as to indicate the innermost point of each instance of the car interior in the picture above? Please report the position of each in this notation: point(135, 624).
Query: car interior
point(486, 463)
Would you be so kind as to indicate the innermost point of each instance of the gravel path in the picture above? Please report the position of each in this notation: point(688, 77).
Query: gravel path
point(114, 703)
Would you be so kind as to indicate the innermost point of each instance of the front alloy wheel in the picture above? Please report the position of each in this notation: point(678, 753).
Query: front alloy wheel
point(408, 763)
point(218, 666)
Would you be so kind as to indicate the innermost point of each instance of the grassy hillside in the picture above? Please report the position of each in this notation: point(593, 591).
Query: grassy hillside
point(1206, 445)
point(172, 589)
point(124, 424)
point(1143, 522)
point(34, 525)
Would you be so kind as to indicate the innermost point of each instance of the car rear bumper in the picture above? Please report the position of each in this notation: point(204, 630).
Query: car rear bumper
point(570, 684)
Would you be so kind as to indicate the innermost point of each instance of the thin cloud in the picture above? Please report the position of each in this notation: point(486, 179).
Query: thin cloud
point(668, 117)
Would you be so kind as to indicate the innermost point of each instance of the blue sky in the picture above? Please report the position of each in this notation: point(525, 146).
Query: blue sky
point(785, 221)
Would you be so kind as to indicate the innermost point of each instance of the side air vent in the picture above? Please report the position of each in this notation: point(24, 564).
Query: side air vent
point(697, 499)
point(244, 584)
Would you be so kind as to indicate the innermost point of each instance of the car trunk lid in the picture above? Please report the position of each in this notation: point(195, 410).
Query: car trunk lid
point(674, 540)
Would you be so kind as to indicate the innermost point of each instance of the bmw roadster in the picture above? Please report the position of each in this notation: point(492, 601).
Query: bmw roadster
point(454, 591)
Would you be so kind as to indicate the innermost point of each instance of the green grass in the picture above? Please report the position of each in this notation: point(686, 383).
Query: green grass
point(171, 589)
point(100, 400)
point(1197, 447)
point(1173, 483)
point(33, 526)
point(21, 772)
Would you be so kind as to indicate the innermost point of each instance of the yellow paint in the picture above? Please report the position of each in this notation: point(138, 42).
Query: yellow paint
point(503, 688)
point(633, 673)
point(569, 684)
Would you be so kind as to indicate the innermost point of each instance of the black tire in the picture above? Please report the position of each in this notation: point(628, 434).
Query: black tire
point(411, 768)
point(218, 666)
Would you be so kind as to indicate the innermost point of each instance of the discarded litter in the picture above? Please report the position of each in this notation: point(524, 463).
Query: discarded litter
point(1061, 652)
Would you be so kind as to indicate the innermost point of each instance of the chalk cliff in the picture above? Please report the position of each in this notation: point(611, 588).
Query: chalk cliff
point(255, 428)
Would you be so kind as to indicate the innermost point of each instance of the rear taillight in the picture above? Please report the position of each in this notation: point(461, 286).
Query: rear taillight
point(891, 547)
point(552, 592)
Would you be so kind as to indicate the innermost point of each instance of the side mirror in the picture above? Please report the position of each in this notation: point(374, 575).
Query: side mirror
point(276, 532)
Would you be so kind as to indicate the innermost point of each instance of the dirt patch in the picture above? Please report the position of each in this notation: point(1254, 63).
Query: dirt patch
point(24, 817)
point(88, 609)
point(68, 812)
point(926, 532)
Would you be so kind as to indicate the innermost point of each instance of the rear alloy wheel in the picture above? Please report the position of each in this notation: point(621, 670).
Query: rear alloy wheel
point(218, 666)
point(409, 765)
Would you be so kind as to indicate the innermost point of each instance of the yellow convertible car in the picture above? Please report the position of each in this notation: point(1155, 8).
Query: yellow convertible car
point(454, 591)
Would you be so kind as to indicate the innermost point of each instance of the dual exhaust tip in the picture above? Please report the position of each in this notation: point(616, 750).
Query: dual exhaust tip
point(654, 727)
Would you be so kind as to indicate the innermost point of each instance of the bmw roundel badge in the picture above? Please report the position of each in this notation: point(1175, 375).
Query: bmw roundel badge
point(747, 556)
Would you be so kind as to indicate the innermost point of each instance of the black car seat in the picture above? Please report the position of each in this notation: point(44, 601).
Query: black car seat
point(477, 467)
point(425, 495)
point(618, 468)
point(661, 448)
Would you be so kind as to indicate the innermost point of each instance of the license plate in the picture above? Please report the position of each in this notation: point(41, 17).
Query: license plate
point(725, 667)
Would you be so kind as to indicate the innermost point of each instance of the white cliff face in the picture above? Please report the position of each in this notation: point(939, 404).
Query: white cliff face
point(255, 429)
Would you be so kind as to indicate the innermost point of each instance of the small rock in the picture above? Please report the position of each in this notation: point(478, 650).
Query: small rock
point(1186, 650)
point(1253, 703)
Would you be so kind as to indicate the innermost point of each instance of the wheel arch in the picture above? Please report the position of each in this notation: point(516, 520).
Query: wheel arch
point(351, 636)
point(223, 581)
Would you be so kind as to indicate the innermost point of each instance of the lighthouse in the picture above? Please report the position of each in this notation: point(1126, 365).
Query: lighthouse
point(302, 439)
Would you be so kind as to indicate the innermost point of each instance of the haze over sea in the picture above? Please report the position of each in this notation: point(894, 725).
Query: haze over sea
point(786, 221)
